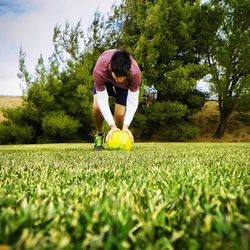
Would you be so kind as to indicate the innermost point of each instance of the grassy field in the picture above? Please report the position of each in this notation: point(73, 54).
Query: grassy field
point(158, 196)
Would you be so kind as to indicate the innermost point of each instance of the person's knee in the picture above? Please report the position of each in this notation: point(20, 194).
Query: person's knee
point(96, 110)
point(95, 107)
point(119, 117)
point(119, 113)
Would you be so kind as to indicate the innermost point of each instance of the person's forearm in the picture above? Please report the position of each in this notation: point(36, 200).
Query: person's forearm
point(103, 103)
point(132, 105)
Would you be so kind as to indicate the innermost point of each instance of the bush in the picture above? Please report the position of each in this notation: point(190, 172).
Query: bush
point(60, 127)
point(243, 118)
point(164, 121)
point(188, 132)
point(39, 98)
point(14, 134)
point(178, 132)
point(141, 127)
point(243, 105)
point(23, 116)
point(195, 101)
point(166, 112)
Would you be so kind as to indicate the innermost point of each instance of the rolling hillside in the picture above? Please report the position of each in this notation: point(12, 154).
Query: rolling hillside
point(9, 101)
point(208, 119)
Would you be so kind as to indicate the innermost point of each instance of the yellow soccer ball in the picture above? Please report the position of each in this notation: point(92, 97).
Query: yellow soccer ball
point(120, 140)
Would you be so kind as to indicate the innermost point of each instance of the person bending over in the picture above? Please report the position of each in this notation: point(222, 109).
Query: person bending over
point(118, 75)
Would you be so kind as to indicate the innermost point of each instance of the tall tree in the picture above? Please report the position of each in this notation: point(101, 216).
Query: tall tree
point(228, 56)
point(160, 35)
point(60, 94)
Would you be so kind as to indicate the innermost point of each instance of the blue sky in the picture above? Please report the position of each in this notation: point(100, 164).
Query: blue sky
point(30, 23)
point(7, 6)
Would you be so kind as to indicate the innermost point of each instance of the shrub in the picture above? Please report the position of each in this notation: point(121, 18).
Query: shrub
point(164, 121)
point(14, 134)
point(60, 127)
point(178, 132)
point(195, 101)
point(166, 112)
point(141, 127)
point(40, 98)
point(23, 116)
point(243, 118)
point(188, 132)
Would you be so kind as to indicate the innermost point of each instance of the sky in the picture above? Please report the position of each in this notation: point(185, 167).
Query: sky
point(29, 24)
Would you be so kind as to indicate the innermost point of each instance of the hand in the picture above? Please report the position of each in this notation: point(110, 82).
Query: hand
point(125, 128)
point(113, 128)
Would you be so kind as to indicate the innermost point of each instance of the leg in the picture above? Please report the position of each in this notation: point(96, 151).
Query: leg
point(120, 106)
point(119, 114)
point(97, 116)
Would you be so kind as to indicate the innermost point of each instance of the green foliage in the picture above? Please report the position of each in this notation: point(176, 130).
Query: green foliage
point(40, 98)
point(195, 100)
point(228, 54)
point(166, 42)
point(243, 117)
point(161, 113)
point(243, 104)
point(179, 132)
point(141, 127)
point(60, 127)
point(181, 81)
point(158, 196)
point(23, 116)
point(23, 74)
point(152, 124)
point(14, 134)
point(67, 42)
point(64, 86)
point(163, 36)
point(207, 23)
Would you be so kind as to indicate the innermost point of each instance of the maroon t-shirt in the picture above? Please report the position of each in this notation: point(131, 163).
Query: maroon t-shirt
point(102, 74)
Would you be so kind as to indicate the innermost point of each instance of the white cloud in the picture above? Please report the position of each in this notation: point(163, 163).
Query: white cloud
point(32, 28)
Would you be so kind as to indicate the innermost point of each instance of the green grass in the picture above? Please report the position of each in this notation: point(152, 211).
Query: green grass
point(158, 196)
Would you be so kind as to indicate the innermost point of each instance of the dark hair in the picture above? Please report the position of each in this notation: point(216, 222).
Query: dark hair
point(121, 63)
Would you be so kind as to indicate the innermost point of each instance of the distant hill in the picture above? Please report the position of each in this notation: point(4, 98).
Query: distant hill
point(207, 120)
point(9, 102)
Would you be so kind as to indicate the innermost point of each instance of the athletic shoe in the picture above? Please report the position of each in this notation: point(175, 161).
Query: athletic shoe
point(98, 144)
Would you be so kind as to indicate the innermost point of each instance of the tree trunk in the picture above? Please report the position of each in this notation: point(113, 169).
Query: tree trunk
point(222, 126)
point(225, 112)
